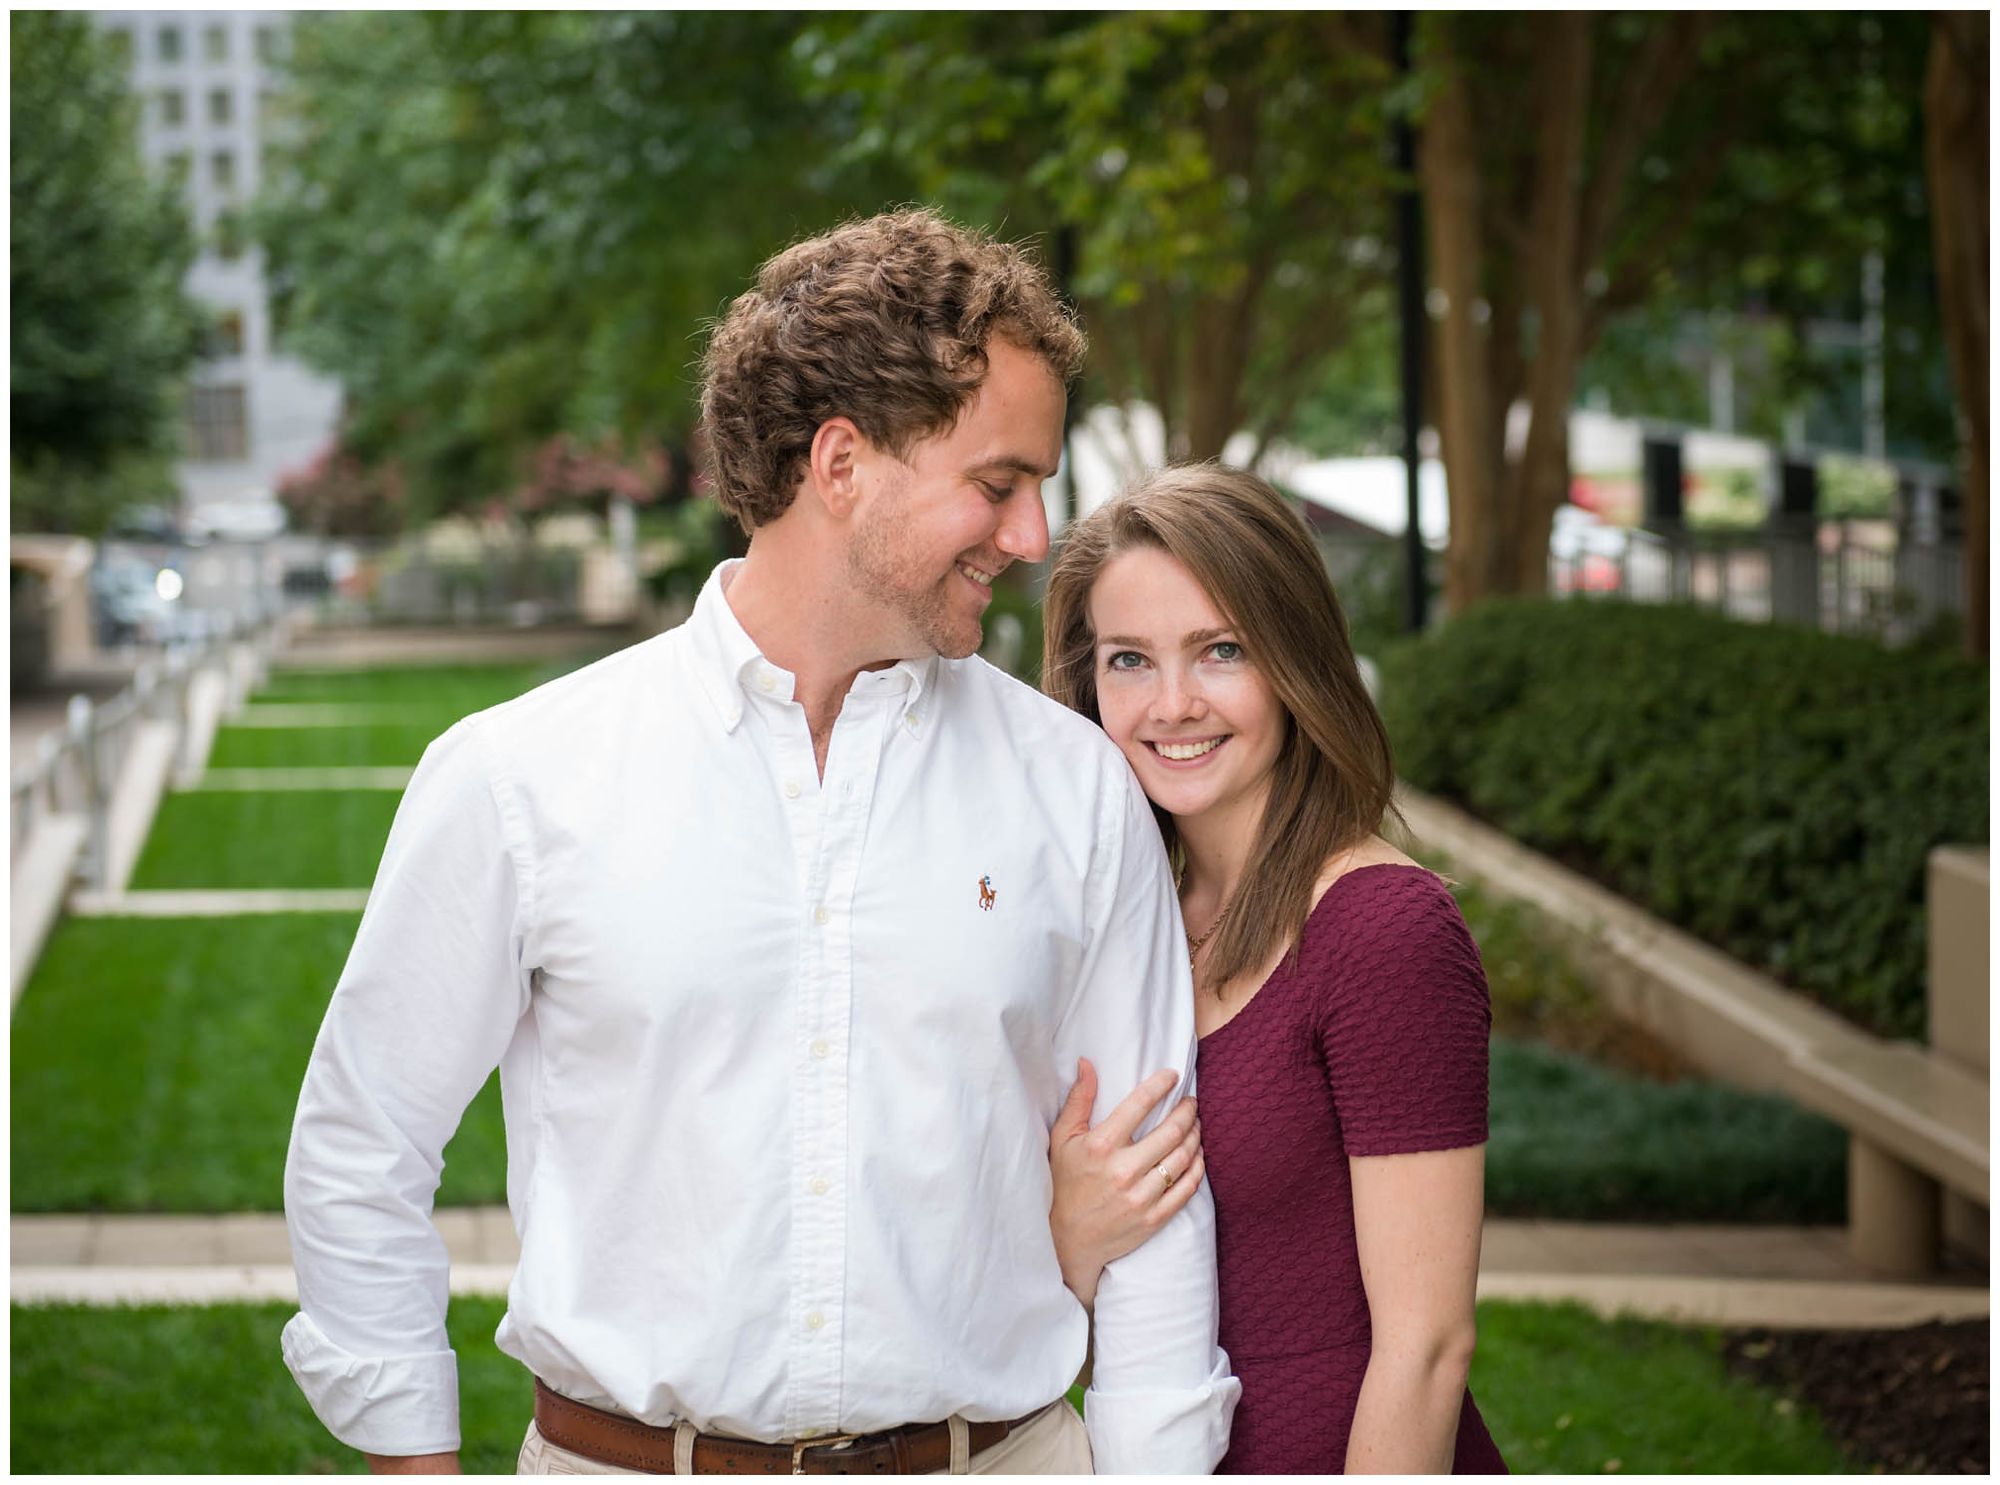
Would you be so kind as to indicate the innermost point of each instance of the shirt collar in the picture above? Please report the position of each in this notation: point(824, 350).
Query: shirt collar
point(730, 667)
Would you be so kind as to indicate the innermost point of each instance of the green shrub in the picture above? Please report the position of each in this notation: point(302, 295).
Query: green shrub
point(1574, 1141)
point(1773, 790)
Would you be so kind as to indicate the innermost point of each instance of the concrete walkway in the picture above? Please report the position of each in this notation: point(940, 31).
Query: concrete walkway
point(1798, 1277)
point(263, 780)
point(202, 903)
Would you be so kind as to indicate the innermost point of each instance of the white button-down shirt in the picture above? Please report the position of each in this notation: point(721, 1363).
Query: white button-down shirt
point(779, 1056)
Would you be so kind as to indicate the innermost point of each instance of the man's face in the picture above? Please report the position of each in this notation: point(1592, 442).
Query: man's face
point(933, 531)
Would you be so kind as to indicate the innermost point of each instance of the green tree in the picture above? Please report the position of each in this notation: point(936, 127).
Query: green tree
point(1958, 116)
point(500, 227)
point(102, 331)
point(1211, 185)
point(1578, 167)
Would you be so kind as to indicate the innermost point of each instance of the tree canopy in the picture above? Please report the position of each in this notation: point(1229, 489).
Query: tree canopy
point(101, 330)
point(503, 228)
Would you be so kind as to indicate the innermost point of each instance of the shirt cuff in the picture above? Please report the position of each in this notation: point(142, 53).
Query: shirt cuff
point(377, 1404)
point(1162, 1433)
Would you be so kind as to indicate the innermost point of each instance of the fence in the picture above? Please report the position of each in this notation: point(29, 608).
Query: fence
point(1844, 577)
point(76, 770)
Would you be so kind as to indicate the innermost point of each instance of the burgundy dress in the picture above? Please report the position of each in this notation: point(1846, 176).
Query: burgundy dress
point(1372, 1043)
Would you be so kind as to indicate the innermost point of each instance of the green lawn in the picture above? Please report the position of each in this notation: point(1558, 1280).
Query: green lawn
point(205, 1391)
point(369, 745)
point(1571, 1139)
point(455, 689)
point(157, 1062)
point(249, 839)
point(1567, 1393)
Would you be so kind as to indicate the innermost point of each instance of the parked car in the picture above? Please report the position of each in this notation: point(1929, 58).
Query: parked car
point(252, 518)
point(137, 600)
point(1587, 552)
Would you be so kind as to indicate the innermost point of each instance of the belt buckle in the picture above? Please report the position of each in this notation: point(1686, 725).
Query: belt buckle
point(825, 1441)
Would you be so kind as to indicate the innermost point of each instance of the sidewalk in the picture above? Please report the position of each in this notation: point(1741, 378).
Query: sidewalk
point(1783, 1277)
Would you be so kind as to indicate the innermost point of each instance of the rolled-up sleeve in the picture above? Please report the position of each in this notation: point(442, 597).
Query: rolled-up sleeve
point(433, 990)
point(1162, 1394)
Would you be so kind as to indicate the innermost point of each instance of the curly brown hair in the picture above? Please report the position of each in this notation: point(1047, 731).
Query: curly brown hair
point(884, 321)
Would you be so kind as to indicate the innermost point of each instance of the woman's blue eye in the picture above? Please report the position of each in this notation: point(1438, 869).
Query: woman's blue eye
point(1226, 649)
point(1117, 661)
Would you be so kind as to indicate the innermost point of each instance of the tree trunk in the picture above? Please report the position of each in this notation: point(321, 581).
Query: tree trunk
point(1956, 110)
point(1448, 171)
point(1554, 276)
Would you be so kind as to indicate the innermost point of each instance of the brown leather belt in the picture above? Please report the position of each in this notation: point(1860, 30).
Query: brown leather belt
point(610, 1438)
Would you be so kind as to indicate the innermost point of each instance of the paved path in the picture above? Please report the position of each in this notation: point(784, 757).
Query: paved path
point(285, 779)
point(344, 649)
point(1776, 1276)
point(216, 904)
point(299, 714)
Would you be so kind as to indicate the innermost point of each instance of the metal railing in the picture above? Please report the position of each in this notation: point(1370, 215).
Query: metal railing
point(76, 768)
point(1843, 577)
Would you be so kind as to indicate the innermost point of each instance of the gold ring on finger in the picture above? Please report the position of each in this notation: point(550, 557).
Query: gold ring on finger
point(1164, 1174)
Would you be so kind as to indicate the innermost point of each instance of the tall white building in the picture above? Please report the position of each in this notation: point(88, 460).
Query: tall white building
point(208, 83)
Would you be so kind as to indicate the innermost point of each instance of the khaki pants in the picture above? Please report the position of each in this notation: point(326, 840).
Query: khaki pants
point(1051, 1443)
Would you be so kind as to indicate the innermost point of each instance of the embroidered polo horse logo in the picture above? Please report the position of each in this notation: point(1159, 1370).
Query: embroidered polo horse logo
point(986, 894)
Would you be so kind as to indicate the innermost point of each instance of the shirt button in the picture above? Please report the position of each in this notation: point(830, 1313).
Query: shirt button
point(815, 1320)
point(820, 915)
point(767, 682)
point(820, 1048)
point(791, 791)
point(910, 717)
point(819, 1186)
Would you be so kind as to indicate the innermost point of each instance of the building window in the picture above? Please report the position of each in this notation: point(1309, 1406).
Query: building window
point(222, 170)
point(226, 336)
point(217, 424)
point(173, 108)
point(167, 43)
point(221, 105)
point(270, 44)
point(215, 43)
point(269, 108)
point(178, 167)
point(229, 238)
point(120, 41)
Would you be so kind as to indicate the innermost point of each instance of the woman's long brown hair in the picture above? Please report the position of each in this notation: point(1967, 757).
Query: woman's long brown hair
point(1332, 782)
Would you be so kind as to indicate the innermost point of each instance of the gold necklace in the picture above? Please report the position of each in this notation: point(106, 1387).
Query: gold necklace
point(1195, 944)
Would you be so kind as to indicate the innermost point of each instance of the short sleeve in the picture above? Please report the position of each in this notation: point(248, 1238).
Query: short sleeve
point(1405, 1018)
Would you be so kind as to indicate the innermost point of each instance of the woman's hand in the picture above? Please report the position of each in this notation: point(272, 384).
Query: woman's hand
point(1112, 1192)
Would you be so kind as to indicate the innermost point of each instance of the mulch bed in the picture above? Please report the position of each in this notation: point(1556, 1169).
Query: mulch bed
point(1910, 1401)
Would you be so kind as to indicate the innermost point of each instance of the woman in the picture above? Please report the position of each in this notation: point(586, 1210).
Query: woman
point(1342, 1012)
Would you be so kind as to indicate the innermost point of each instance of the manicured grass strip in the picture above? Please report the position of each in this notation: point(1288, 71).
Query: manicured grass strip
point(466, 687)
point(1574, 1140)
point(204, 1391)
point(1567, 1393)
point(157, 1065)
point(371, 744)
point(296, 838)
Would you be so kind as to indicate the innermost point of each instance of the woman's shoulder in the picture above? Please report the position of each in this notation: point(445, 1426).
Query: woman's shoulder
point(1365, 876)
point(1382, 920)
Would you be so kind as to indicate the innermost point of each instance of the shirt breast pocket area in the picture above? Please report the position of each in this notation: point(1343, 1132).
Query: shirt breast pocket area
point(979, 948)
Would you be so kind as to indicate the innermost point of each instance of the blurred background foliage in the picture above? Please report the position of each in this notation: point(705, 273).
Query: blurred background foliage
point(102, 333)
point(495, 228)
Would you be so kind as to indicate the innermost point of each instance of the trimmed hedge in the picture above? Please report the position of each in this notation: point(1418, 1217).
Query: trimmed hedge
point(1770, 789)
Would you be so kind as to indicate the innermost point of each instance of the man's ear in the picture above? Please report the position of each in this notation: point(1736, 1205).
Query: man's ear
point(830, 466)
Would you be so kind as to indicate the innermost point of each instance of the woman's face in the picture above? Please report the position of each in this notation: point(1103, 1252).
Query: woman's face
point(1196, 720)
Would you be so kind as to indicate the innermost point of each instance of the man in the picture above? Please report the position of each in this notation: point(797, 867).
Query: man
point(787, 930)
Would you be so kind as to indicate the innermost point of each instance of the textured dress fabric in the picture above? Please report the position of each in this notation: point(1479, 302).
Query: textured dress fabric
point(1370, 1041)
